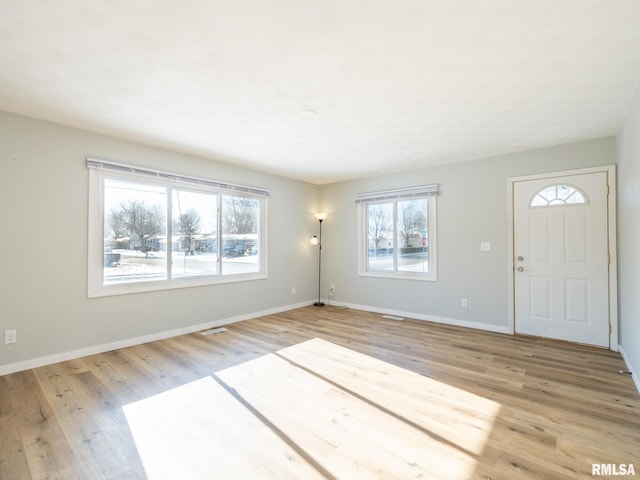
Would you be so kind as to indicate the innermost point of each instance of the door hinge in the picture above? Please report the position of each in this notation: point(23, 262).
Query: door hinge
point(609, 328)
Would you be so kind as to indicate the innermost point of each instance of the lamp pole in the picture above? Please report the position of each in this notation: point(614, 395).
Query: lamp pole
point(320, 217)
point(319, 303)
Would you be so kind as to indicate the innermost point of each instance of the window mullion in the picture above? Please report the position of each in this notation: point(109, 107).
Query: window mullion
point(169, 230)
point(395, 236)
point(367, 240)
point(220, 230)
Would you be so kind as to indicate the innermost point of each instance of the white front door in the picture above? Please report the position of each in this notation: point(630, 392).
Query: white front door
point(561, 258)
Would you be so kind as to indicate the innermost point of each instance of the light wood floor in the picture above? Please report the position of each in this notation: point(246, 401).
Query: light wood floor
point(323, 393)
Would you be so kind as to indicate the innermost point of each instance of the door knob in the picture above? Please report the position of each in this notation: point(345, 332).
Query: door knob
point(520, 269)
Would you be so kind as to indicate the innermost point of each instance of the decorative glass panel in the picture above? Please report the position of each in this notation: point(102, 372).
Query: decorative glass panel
point(558, 195)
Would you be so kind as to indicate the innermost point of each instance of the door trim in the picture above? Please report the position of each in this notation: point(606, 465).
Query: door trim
point(613, 258)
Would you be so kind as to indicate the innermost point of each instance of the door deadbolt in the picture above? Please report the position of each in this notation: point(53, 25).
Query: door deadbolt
point(520, 258)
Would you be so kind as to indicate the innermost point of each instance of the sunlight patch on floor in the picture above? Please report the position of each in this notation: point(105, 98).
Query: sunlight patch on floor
point(313, 410)
point(200, 431)
point(461, 417)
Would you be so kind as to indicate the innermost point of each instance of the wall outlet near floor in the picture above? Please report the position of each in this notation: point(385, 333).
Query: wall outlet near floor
point(10, 336)
point(332, 290)
point(464, 303)
point(293, 290)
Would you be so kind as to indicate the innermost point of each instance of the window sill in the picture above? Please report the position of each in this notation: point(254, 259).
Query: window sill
point(422, 277)
point(159, 285)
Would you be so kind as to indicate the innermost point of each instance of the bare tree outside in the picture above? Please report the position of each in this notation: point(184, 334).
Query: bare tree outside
point(115, 224)
point(412, 218)
point(189, 225)
point(239, 215)
point(142, 220)
point(379, 223)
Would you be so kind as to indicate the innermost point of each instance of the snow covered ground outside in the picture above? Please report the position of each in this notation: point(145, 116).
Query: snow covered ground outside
point(135, 265)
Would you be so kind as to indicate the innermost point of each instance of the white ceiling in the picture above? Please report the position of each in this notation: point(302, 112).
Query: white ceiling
point(325, 90)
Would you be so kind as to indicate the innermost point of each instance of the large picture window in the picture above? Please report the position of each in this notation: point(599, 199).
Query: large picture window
point(152, 230)
point(397, 233)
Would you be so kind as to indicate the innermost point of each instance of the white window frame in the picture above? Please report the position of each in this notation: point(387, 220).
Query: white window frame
point(429, 192)
point(100, 170)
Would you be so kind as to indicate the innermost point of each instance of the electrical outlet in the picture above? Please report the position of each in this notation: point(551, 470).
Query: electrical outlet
point(332, 290)
point(10, 336)
point(293, 290)
point(464, 303)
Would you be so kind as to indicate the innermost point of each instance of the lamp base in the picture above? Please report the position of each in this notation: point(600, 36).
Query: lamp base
point(318, 304)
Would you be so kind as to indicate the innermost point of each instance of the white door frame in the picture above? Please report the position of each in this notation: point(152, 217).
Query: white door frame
point(613, 258)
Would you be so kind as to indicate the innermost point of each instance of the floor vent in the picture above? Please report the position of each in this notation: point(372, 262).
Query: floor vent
point(392, 317)
point(214, 330)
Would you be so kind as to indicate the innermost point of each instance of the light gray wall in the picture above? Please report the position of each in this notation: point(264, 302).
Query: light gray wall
point(43, 245)
point(629, 234)
point(472, 208)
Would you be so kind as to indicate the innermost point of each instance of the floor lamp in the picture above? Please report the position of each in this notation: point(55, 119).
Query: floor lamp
point(318, 241)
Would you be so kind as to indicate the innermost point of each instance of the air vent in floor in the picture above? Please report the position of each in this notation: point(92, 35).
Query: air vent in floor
point(213, 330)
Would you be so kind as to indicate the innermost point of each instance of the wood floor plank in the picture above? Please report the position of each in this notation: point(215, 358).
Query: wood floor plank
point(92, 420)
point(39, 435)
point(324, 393)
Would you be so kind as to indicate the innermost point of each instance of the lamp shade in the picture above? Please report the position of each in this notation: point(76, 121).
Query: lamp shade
point(314, 240)
point(321, 216)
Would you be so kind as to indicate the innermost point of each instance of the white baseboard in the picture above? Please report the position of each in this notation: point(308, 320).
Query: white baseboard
point(634, 375)
point(129, 342)
point(429, 318)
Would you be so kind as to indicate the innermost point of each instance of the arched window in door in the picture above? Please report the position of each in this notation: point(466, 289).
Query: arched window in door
point(558, 195)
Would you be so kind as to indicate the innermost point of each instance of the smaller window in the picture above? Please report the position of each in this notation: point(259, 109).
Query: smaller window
point(397, 236)
point(558, 195)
